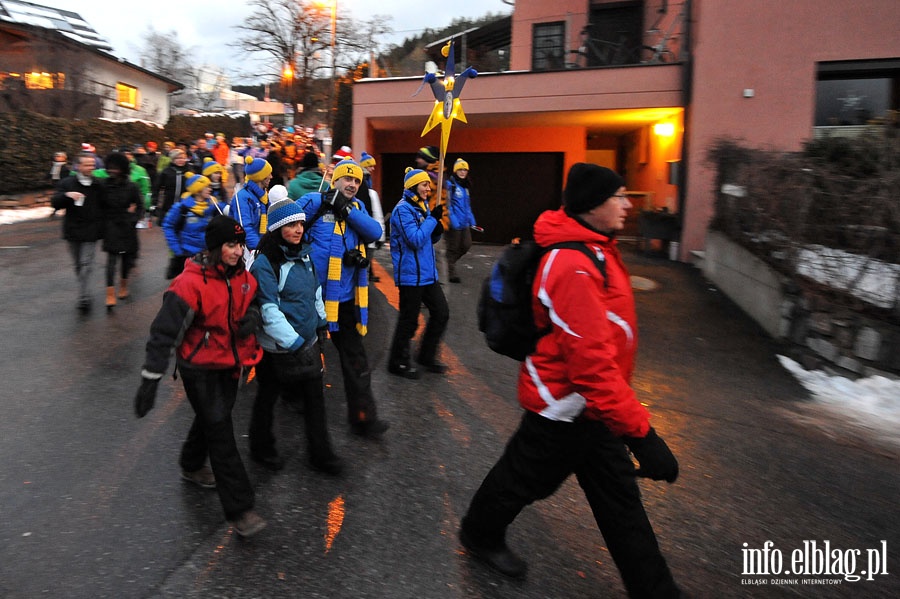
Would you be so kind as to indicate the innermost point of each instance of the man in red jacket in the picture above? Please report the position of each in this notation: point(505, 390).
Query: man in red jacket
point(581, 413)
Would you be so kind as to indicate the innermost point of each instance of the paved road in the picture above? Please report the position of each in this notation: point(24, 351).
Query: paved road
point(93, 505)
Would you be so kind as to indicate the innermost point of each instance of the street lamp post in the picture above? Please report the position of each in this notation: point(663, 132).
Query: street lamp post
point(332, 107)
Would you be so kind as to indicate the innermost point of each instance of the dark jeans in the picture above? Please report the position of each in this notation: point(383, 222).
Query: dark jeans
point(312, 396)
point(411, 300)
point(212, 394)
point(128, 260)
point(354, 366)
point(538, 458)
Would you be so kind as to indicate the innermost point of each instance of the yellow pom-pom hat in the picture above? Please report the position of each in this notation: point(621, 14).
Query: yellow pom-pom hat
point(347, 168)
point(414, 176)
point(256, 169)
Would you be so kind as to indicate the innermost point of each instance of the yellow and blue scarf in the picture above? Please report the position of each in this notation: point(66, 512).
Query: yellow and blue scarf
point(333, 283)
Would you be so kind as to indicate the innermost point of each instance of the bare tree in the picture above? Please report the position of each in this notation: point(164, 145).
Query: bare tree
point(164, 54)
point(294, 38)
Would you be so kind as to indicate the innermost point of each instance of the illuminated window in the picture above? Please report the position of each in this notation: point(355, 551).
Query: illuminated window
point(39, 80)
point(127, 95)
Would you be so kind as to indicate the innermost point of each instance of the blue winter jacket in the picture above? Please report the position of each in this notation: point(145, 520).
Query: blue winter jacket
point(461, 216)
point(247, 208)
point(412, 251)
point(185, 231)
point(358, 228)
point(290, 302)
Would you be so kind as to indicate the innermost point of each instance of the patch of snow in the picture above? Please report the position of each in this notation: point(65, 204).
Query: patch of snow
point(872, 402)
point(10, 216)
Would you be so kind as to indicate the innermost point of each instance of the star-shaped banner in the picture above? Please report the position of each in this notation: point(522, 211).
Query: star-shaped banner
point(447, 105)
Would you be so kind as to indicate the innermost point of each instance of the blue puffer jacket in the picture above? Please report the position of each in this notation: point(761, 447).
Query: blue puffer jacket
point(411, 248)
point(247, 208)
point(358, 228)
point(185, 231)
point(290, 302)
point(461, 216)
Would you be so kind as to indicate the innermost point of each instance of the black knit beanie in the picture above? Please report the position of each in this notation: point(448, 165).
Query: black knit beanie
point(310, 161)
point(222, 229)
point(588, 186)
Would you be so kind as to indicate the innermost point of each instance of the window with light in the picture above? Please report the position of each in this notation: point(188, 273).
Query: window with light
point(127, 95)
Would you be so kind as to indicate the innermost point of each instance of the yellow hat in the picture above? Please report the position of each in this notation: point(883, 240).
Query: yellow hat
point(346, 168)
point(414, 176)
point(195, 183)
point(210, 166)
point(460, 164)
point(256, 169)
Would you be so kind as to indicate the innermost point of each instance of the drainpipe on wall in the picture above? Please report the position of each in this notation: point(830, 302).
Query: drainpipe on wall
point(687, 97)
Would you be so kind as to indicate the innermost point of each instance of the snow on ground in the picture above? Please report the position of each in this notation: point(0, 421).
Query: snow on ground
point(10, 216)
point(872, 402)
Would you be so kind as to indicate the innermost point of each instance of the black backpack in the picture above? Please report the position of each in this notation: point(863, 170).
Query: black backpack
point(504, 305)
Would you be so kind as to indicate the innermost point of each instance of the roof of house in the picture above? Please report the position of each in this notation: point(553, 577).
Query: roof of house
point(65, 22)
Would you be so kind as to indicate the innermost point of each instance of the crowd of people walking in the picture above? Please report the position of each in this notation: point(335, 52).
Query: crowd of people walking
point(271, 256)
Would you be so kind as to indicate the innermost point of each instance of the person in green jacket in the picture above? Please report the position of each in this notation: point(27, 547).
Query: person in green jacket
point(309, 177)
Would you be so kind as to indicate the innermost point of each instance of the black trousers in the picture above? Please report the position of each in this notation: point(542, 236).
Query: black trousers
point(212, 394)
point(458, 243)
point(309, 392)
point(127, 259)
point(354, 366)
point(539, 457)
point(411, 300)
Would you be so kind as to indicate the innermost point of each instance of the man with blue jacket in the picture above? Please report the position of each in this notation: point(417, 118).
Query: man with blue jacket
point(338, 230)
point(414, 231)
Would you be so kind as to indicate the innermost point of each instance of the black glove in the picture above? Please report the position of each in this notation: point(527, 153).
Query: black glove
point(249, 324)
point(322, 335)
point(438, 212)
point(145, 396)
point(654, 456)
point(342, 205)
point(308, 354)
point(438, 231)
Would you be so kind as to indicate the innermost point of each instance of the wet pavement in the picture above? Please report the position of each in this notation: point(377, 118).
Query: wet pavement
point(94, 506)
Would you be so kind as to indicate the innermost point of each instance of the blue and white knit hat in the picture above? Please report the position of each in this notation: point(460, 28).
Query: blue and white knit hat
point(284, 212)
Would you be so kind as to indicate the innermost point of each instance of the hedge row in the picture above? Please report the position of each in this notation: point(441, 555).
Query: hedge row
point(28, 141)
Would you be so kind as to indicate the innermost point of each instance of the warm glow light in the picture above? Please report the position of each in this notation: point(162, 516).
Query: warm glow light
point(664, 129)
point(335, 521)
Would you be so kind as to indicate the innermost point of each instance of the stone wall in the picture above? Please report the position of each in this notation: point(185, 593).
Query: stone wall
point(817, 332)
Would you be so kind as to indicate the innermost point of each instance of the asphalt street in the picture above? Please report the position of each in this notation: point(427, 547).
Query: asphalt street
point(93, 505)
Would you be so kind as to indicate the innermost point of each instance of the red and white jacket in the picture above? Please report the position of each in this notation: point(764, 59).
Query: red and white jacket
point(583, 366)
point(199, 317)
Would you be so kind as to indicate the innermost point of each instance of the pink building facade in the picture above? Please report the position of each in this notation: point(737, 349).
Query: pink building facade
point(758, 72)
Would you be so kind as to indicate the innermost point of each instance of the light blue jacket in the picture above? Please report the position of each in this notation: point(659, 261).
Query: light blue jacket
point(290, 302)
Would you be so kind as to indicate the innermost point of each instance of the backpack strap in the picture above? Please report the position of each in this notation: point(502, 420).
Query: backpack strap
point(584, 249)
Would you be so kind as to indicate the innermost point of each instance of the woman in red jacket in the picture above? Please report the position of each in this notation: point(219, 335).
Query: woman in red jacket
point(208, 312)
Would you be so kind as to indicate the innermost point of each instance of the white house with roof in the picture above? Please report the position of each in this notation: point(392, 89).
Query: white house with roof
point(53, 62)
